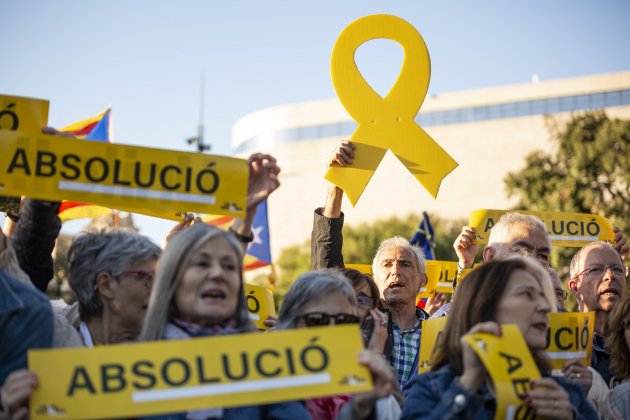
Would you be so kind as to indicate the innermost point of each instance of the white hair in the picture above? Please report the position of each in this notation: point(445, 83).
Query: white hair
point(398, 242)
point(500, 231)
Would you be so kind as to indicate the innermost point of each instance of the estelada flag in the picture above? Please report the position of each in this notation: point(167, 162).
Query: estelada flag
point(96, 128)
point(258, 251)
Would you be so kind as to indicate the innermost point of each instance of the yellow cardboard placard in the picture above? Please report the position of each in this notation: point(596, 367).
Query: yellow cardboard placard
point(445, 274)
point(566, 229)
point(155, 182)
point(511, 367)
point(260, 304)
point(428, 290)
point(432, 336)
point(363, 268)
point(130, 380)
point(21, 114)
point(27, 115)
point(569, 337)
point(386, 123)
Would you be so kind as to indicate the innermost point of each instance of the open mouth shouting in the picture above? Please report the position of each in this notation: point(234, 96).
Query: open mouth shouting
point(213, 295)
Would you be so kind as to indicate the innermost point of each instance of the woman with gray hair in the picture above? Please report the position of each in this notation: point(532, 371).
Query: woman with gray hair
point(322, 298)
point(111, 272)
point(199, 292)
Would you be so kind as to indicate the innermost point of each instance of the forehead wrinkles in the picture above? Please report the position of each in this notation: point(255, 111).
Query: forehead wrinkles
point(598, 254)
point(396, 254)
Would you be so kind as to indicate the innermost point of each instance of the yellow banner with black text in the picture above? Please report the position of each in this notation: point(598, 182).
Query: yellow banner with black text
point(28, 115)
point(565, 229)
point(511, 367)
point(260, 304)
point(180, 375)
point(155, 182)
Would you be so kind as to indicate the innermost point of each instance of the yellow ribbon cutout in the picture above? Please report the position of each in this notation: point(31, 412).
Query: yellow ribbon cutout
point(386, 123)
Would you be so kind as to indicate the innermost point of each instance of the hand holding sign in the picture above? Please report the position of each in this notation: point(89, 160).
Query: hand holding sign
point(506, 357)
point(386, 123)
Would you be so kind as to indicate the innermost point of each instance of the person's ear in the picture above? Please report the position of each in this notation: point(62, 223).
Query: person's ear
point(424, 280)
point(572, 284)
point(104, 285)
point(489, 253)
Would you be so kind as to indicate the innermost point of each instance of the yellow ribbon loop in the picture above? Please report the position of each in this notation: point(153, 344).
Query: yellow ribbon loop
point(386, 123)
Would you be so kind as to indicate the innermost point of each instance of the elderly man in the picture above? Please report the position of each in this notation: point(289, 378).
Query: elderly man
point(399, 272)
point(598, 281)
point(514, 234)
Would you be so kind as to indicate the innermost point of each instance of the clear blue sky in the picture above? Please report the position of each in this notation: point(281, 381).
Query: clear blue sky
point(144, 58)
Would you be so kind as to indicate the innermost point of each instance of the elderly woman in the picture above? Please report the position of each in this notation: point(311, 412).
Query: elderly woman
point(199, 292)
point(326, 297)
point(618, 343)
point(111, 273)
point(513, 291)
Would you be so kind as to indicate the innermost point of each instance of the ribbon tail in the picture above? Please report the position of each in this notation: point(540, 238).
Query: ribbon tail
point(426, 160)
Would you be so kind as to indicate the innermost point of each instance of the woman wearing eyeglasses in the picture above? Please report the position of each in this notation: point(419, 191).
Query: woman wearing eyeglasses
point(198, 292)
point(514, 291)
point(618, 343)
point(325, 297)
point(111, 273)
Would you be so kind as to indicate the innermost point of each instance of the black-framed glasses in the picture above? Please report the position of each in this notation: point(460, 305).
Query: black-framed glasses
point(145, 275)
point(598, 270)
point(561, 294)
point(318, 319)
point(366, 301)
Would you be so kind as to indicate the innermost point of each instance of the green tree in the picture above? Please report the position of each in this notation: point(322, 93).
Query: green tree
point(588, 173)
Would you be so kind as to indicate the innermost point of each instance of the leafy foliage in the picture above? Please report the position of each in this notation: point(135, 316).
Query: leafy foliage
point(589, 173)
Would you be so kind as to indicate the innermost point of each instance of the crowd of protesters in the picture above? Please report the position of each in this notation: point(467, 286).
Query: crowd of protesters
point(129, 289)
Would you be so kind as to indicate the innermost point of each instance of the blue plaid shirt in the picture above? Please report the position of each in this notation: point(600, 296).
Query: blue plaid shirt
point(404, 358)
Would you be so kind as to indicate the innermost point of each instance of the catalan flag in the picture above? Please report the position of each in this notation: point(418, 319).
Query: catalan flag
point(258, 251)
point(96, 128)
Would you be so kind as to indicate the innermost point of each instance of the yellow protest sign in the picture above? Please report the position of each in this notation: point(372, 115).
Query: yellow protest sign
point(155, 182)
point(428, 290)
point(386, 123)
point(27, 115)
point(511, 367)
point(445, 274)
point(566, 229)
point(363, 268)
point(569, 337)
point(169, 376)
point(432, 336)
point(24, 114)
point(260, 304)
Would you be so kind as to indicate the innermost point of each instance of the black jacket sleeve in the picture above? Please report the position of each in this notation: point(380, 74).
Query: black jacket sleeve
point(326, 241)
point(34, 240)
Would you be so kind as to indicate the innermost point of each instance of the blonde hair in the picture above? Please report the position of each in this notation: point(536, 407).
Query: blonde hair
point(171, 267)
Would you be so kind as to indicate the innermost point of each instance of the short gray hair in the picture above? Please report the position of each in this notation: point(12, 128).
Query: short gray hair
point(399, 242)
point(109, 251)
point(310, 287)
point(576, 261)
point(500, 230)
point(171, 268)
